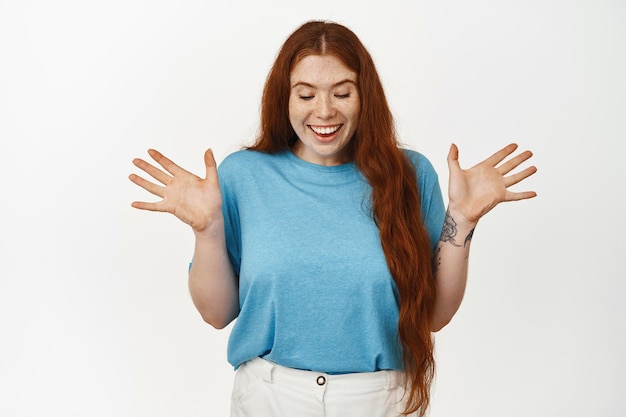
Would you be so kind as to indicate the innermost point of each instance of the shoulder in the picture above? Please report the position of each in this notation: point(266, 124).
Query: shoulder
point(244, 161)
point(420, 162)
point(427, 178)
point(240, 158)
point(236, 168)
point(244, 168)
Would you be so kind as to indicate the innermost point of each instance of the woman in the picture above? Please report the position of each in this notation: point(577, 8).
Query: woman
point(325, 240)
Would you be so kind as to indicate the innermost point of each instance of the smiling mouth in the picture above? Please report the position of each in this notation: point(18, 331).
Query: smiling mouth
point(325, 130)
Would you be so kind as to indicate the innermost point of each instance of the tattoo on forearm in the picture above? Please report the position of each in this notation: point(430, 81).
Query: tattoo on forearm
point(436, 261)
point(469, 236)
point(449, 231)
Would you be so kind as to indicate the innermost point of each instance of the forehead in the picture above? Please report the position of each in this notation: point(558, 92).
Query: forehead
point(321, 70)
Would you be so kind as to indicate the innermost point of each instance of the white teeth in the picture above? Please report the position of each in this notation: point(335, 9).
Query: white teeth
point(325, 130)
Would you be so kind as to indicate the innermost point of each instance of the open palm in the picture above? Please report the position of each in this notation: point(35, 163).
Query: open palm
point(475, 191)
point(194, 200)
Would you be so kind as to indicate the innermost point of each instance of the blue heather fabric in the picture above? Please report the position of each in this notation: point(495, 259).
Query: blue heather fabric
point(314, 288)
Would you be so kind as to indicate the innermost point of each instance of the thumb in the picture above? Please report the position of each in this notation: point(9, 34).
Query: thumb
point(453, 158)
point(209, 163)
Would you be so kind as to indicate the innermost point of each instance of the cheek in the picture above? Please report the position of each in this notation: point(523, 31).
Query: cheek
point(352, 110)
point(292, 117)
point(354, 114)
point(295, 111)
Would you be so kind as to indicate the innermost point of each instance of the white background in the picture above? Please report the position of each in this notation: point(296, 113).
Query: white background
point(95, 317)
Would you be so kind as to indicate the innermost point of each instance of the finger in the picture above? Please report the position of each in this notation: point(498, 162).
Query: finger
point(210, 164)
point(499, 156)
point(147, 185)
point(153, 171)
point(514, 162)
point(453, 158)
point(165, 162)
point(519, 195)
point(141, 205)
point(514, 179)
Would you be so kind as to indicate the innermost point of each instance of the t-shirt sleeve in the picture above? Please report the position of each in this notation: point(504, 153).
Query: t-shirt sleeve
point(433, 207)
point(230, 210)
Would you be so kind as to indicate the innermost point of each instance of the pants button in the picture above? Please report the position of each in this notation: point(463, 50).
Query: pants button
point(321, 380)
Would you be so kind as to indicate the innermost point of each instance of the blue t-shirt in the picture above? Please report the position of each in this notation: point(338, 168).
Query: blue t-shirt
point(315, 291)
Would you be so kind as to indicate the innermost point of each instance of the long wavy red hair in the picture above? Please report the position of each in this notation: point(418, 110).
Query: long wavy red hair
point(395, 199)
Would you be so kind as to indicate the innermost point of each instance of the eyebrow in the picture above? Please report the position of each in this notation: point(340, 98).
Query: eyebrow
point(337, 84)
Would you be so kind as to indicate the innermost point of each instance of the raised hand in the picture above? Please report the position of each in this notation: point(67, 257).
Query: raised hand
point(194, 200)
point(475, 191)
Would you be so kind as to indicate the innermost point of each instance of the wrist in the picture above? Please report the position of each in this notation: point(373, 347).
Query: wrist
point(457, 229)
point(212, 230)
point(461, 220)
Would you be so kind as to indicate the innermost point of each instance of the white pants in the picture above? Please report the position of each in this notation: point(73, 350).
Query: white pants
point(264, 389)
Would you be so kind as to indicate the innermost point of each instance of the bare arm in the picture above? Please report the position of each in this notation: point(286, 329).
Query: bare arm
point(472, 194)
point(450, 265)
point(212, 281)
point(197, 202)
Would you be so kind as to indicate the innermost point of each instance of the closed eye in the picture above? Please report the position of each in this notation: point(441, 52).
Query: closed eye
point(306, 97)
point(342, 95)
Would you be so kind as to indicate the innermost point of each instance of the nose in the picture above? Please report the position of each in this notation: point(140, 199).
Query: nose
point(324, 108)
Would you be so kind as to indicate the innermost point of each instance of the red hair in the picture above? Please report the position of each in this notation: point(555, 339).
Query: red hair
point(395, 199)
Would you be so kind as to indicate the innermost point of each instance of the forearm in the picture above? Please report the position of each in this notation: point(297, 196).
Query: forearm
point(212, 281)
point(450, 265)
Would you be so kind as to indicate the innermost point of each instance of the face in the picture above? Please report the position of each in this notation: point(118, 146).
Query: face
point(323, 109)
